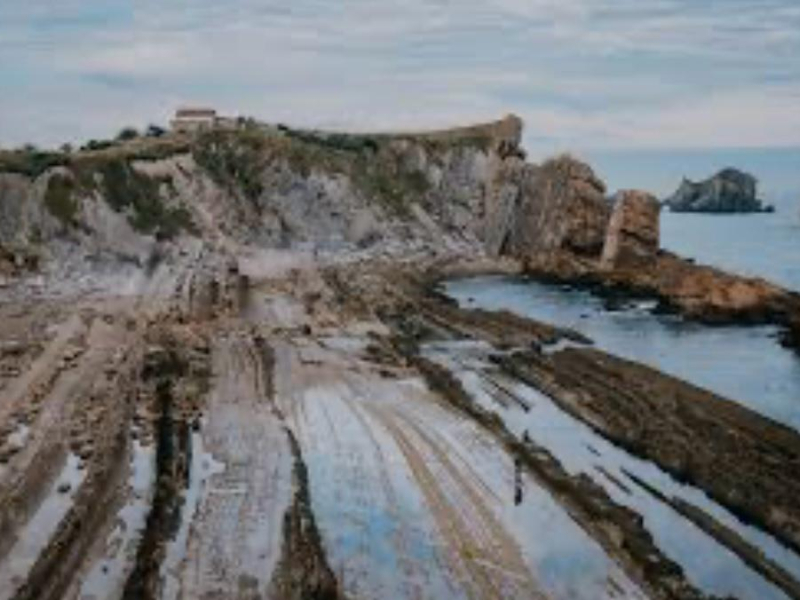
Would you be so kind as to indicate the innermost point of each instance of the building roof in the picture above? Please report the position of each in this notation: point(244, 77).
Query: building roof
point(194, 112)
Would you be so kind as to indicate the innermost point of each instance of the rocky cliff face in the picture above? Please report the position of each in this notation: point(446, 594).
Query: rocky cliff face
point(632, 239)
point(556, 206)
point(124, 210)
point(466, 189)
point(729, 191)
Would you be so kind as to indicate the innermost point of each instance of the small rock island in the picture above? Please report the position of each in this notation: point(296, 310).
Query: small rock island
point(729, 191)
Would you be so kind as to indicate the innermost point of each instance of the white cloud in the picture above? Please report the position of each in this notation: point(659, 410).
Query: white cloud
point(583, 73)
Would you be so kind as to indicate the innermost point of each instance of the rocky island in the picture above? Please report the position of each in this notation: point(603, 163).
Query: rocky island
point(729, 191)
point(227, 370)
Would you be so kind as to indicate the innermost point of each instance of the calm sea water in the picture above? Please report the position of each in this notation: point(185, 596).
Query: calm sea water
point(745, 364)
point(761, 245)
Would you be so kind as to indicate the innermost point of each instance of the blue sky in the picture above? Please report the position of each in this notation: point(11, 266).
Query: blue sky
point(614, 80)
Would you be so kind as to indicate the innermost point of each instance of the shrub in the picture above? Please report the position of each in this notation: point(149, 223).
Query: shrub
point(388, 179)
point(155, 131)
point(128, 133)
point(334, 141)
point(30, 161)
point(232, 159)
point(94, 145)
point(59, 198)
point(124, 188)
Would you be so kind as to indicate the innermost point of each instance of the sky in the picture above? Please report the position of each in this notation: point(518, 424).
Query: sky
point(648, 90)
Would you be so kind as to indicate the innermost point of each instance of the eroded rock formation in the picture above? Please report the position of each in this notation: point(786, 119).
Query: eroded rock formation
point(729, 191)
point(460, 191)
point(632, 239)
point(556, 206)
point(258, 185)
point(264, 290)
point(620, 253)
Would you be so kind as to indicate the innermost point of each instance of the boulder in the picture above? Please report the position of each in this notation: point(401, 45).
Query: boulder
point(560, 205)
point(729, 191)
point(632, 239)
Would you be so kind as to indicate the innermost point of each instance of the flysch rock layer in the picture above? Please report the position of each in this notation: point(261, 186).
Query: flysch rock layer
point(244, 308)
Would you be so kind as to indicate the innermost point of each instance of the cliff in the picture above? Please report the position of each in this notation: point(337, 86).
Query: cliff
point(133, 203)
point(729, 191)
point(556, 206)
point(112, 216)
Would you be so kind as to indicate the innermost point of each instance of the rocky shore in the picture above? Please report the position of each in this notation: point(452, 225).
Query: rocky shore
point(632, 264)
point(236, 341)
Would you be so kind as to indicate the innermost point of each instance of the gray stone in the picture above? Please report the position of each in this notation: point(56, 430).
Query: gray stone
point(729, 191)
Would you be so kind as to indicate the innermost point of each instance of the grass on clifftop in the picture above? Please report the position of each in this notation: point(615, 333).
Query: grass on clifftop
point(32, 162)
point(237, 160)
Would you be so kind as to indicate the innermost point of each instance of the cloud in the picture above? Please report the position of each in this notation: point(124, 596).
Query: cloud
point(746, 118)
point(583, 73)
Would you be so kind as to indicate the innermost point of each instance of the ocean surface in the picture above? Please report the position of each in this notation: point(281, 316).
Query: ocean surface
point(745, 364)
point(760, 245)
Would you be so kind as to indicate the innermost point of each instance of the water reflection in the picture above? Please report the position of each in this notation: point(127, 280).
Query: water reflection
point(707, 564)
point(745, 364)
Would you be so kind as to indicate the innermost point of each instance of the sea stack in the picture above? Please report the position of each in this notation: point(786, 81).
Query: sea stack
point(632, 239)
point(729, 191)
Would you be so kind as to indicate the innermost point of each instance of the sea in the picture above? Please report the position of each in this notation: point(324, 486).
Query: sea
point(763, 245)
point(744, 363)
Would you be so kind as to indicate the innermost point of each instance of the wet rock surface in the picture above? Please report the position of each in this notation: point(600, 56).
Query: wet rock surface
point(700, 438)
point(697, 292)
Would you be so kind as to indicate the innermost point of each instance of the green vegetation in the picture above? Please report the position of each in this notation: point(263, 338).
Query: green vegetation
point(437, 144)
point(128, 133)
point(334, 141)
point(33, 162)
point(30, 161)
point(233, 160)
point(236, 160)
point(124, 188)
point(155, 131)
point(394, 186)
point(127, 190)
point(105, 167)
point(94, 145)
point(59, 198)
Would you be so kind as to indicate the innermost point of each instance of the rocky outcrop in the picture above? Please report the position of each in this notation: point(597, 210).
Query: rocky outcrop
point(557, 206)
point(729, 191)
point(631, 263)
point(453, 192)
point(698, 292)
point(262, 186)
point(462, 189)
point(632, 239)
